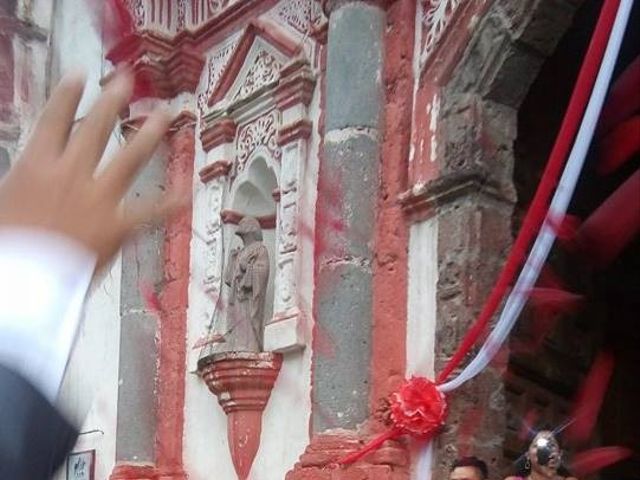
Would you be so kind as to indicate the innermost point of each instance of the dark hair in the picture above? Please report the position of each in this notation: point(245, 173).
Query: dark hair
point(472, 462)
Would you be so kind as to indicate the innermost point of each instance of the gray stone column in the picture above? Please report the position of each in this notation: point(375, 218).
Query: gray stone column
point(142, 265)
point(347, 194)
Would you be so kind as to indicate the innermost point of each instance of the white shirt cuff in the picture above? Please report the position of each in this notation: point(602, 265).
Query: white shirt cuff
point(44, 278)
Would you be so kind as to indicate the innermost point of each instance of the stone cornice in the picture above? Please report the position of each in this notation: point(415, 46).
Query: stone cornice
point(221, 168)
point(422, 200)
point(296, 85)
point(218, 132)
point(299, 130)
point(185, 119)
point(233, 217)
point(162, 67)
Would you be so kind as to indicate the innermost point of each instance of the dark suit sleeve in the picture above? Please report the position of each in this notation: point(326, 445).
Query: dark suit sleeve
point(34, 437)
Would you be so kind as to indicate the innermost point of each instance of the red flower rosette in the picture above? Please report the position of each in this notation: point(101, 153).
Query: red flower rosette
point(418, 409)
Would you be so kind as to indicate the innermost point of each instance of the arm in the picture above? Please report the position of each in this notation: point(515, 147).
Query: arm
point(59, 221)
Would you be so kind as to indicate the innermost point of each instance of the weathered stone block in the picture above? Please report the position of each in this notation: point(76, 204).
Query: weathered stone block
point(349, 181)
point(354, 67)
point(142, 264)
point(341, 378)
point(136, 395)
point(510, 75)
point(537, 23)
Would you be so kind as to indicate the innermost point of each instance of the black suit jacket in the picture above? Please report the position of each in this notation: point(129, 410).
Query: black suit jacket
point(35, 438)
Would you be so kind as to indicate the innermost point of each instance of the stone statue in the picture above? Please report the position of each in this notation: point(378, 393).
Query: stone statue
point(247, 274)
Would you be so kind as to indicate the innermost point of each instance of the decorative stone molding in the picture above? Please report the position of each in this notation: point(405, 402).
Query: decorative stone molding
point(217, 169)
point(216, 64)
point(132, 471)
point(267, 222)
point(242, 381)
point(265, 66)
point(185, 119)
point(302, 15)
point(219, 131)
point(422, 200)
point(264, 71)
point(390, 462)
point(261, 132)
point(176, 16)
point(213, 238)
point(296, 86)
point(300, 130)
point(436, 17)
point(160, 65)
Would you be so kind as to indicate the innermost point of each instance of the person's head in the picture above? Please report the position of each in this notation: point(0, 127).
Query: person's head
point(469, 468)
point(249, 230)
point(544, 455)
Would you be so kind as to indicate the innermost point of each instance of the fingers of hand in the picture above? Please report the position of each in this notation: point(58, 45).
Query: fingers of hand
point(121, 172)
point(52, 130)
point(88, 142)
point(149, 213)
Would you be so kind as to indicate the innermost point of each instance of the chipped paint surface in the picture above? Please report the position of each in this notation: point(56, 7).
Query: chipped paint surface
point(434, 113)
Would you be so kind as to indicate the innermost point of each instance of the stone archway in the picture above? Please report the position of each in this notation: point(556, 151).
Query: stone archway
point(544, 379)
point(472, 196)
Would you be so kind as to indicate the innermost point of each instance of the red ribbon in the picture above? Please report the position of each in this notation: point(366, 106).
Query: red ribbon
point(418, 409)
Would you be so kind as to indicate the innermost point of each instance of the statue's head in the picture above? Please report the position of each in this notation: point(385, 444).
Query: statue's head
point(249, 228)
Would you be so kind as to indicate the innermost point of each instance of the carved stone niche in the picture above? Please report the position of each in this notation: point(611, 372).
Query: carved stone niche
point(255, 130)
point(256, 134)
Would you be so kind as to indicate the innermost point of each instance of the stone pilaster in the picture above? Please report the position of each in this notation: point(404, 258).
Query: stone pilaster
point(142, 268)
point(347, 190)
point(348, 182)
point(174, 301)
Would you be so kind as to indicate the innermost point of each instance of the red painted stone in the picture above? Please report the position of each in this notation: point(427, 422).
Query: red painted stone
point(319, 459)
point(242, 381)
point(134, 472)
point(221, 168)
point(217, 133)
point(174, 302)
point(295, 131)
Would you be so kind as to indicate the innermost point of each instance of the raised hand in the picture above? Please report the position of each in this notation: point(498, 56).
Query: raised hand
point(54, 184)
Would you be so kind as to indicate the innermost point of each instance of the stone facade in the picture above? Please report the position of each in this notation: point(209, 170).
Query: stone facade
point(374, 142)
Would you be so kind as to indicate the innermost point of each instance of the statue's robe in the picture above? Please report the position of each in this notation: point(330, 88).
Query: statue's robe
point(247, 275)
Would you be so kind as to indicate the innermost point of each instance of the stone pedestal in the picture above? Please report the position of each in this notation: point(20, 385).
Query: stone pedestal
point(242, 381)
point(134, 472)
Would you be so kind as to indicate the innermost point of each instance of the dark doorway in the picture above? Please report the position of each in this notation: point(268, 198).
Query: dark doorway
point(544, 376)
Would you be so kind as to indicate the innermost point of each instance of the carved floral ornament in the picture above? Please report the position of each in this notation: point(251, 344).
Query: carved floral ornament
point(216, 64)
point(136, 8)
point(436, 17)
point(302, 15)
point(260, 132)
point(264, 71)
